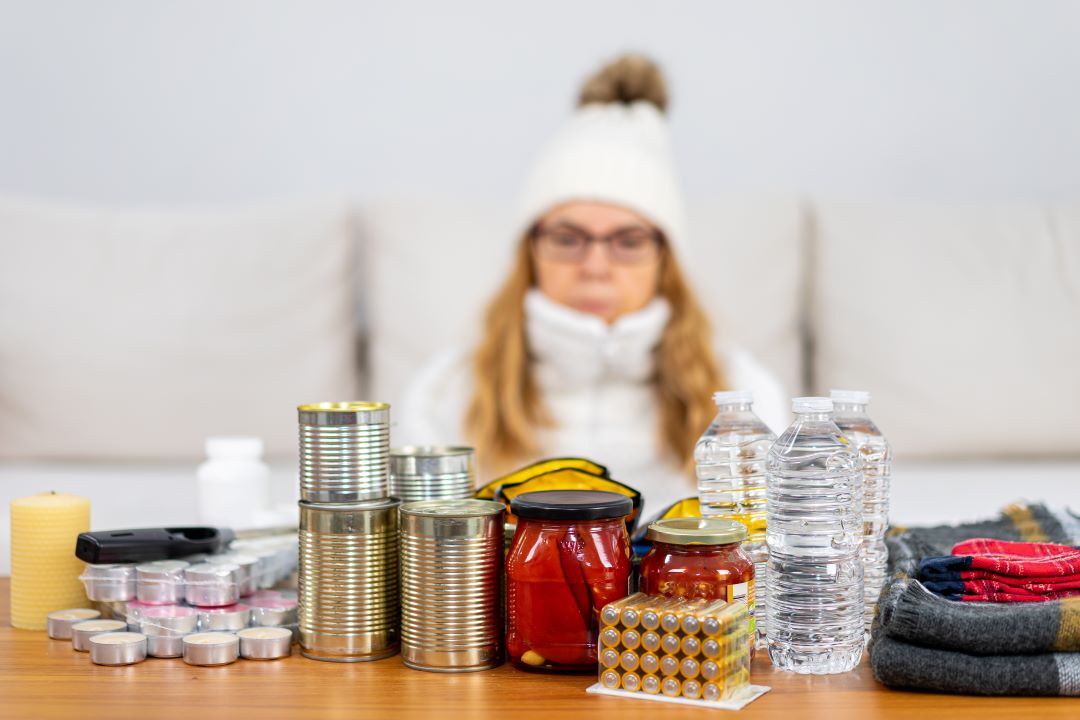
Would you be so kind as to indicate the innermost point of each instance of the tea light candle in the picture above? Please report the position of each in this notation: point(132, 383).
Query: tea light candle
point(227, 619)
point(209, 585)
point(44, 569)
point(272, 611)
point(114, 610)
point(212, 648)
point(110, 583)
point(165, 627)
point(161, 582)
point(117, 648)
point(82, 632)
point(59, 623)
point(246, 576)
point(265, 643)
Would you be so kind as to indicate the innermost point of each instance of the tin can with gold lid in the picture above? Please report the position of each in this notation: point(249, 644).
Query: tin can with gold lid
point(344, 451)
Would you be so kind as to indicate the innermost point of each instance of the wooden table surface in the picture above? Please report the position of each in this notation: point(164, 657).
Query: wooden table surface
point(43, 678)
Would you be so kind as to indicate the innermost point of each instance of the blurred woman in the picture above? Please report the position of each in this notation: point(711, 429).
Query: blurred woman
point(595, 345)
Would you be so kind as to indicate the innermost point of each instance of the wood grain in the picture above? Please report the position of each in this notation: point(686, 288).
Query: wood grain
point(43, 678)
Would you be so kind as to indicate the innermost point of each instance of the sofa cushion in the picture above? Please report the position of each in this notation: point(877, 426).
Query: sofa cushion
point(964, 323)
point(137, 334)
point(431, 266)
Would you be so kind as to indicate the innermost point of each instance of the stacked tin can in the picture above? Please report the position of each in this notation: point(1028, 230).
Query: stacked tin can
point(451, 585)
point(431, 472)
point(348, 579)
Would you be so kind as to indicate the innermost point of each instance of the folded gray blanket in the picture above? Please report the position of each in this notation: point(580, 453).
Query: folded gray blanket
point(922, 641)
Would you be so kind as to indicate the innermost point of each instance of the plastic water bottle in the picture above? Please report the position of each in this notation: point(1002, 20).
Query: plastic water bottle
point(730, 460)
point(815, 620)
point(852, 419)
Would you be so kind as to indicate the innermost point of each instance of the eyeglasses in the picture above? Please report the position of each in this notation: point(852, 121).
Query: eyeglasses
point(568, 244)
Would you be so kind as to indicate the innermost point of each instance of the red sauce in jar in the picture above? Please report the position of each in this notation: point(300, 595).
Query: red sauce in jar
point(699, 558)
point(570, 556)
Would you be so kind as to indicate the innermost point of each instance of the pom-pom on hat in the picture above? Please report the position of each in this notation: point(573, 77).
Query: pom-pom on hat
point(615, 149)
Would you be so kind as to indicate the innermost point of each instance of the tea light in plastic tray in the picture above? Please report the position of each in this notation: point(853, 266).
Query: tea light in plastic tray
point(272, 610)
point(247, 569)
point(83, 631)
point(224, 619)
point(160, 582)
point(211, 585)
point(109, 583)
point(265, 643)
point(165, 627)
point(133, 614)
point(59, 623)
point(117, 648)
point(211, 648)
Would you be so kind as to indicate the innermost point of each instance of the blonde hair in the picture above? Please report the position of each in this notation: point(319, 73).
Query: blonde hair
point(507, 408)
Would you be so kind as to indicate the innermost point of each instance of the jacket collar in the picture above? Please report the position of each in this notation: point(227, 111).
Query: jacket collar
point(573, 350)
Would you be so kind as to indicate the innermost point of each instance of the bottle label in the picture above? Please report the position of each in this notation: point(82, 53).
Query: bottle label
point(743, 592)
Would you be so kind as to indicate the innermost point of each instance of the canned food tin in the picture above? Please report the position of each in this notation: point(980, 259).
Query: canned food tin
point(344, 451)
point(451, 585)
point(348, 581)
point(431, 472)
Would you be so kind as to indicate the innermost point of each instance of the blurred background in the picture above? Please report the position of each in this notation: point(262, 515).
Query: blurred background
point(213, 211)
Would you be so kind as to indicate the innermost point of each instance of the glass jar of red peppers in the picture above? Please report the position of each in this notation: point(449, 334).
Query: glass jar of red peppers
point(570, 556)
point(699, 558)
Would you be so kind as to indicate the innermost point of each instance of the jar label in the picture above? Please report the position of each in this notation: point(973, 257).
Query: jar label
point(743, 592)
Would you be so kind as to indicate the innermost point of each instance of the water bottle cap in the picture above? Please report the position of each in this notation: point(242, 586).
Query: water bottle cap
point(247, 448)
point(811, 405)
point(730, 397)
point(857, 397)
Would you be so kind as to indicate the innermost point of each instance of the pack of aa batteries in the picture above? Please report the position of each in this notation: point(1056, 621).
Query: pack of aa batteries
point(693, 652)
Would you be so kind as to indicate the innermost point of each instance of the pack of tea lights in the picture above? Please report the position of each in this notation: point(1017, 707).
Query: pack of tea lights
point(694, 652)
point(264, 627)
point(201, 580)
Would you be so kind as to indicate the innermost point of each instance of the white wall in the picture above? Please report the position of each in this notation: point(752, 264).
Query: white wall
point(190, 101)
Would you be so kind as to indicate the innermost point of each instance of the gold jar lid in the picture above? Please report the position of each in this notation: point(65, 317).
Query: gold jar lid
point(696, 531)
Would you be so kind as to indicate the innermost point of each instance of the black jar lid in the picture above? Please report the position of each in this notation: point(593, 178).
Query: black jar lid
point(571, 505)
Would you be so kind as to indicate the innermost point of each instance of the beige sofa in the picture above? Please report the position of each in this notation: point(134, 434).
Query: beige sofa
point(127, 337)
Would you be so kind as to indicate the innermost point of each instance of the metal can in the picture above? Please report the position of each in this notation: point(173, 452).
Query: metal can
point(348, 583)
point(432, 472)
point(452, 584)
point(344, 451)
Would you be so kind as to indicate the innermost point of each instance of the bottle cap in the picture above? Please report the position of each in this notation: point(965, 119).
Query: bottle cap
point(811, 405)
point(571, 505)
point(731, 397)
point(696, 531)
point(856, 397)
point(246, 448)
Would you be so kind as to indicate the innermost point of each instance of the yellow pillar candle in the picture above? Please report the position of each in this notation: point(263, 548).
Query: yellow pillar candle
point(44, 569)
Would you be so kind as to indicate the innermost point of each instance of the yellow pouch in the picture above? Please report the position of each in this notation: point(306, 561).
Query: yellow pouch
point(569, 479)
point(540, 468)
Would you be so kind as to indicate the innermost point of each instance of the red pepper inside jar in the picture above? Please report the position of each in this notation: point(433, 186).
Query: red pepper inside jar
point(569, 558)
point(699, 558)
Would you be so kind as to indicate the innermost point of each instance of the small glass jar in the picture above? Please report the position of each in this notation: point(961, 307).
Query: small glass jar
point(570, 556)
point(698, 558)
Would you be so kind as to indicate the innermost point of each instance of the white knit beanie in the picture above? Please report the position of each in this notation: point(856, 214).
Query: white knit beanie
point(615, 149)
